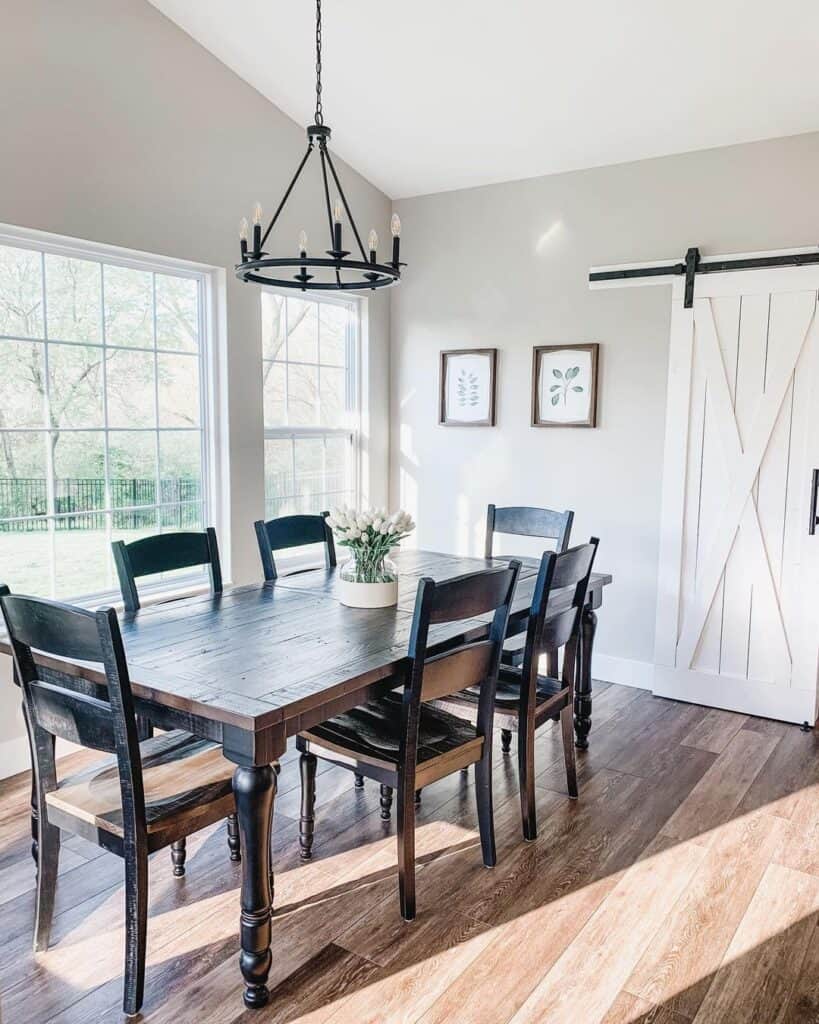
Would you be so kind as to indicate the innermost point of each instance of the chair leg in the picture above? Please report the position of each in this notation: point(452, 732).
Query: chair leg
point(48, 863)
point(506, 740)
point(136, 927)
point(307, 765)
point(386, 802)
point(178, 854)
point(406, 851)
point(486, 821)
point(359, 781)
point(568, 750)
point(526, 778)
point(234, 842)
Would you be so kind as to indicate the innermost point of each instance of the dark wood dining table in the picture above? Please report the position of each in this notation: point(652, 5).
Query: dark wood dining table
point(257, 664)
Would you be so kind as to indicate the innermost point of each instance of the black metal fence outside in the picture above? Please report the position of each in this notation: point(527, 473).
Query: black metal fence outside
point(77, 502)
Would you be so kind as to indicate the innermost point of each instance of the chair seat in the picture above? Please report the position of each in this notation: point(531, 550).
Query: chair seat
point(185, 778)
point(507, 696)
point(372, 732)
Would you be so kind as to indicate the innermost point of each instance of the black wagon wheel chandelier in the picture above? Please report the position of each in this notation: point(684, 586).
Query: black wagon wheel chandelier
point(335, 271)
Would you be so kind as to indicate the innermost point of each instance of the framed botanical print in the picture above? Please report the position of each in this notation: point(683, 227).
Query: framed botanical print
point(467, 387)
point(564, 386)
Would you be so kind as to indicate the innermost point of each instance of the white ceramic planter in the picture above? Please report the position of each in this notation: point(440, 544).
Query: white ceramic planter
point(367, 595)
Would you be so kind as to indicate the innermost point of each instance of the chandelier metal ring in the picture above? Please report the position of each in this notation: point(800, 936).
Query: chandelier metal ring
point(373, 275)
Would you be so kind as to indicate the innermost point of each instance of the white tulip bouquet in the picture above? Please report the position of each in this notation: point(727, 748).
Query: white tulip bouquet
point(370, 536)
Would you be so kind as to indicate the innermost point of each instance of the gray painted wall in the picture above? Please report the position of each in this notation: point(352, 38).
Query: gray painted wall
point(117, 127)
point(506, 266)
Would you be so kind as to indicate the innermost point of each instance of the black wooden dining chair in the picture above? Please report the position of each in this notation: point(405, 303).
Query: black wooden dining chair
point(522, 693)
point(525, 521)
point(293, 532)
point(164, 552)
point(146, 797)
point(400, 740)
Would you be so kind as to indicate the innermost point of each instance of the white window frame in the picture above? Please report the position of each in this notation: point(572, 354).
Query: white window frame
point(353, 430)
point(211, 376)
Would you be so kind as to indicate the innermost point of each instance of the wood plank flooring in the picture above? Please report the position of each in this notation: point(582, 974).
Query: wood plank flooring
point(683, 886)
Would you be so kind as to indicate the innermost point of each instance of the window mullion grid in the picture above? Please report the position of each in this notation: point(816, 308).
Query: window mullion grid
point(47, 437)
point(50, 428)
point(106, 457)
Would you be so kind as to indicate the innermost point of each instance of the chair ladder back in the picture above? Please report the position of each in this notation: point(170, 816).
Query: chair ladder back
point(165, 552)
point(557, 573)
point(477, 663)
point(526, 521)
point(61, 630)
point(457, 670)
point(291, 532)
point(470, 595)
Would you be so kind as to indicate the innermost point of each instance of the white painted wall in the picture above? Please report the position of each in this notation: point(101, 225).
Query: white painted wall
point(506, 266)
point(117, 127)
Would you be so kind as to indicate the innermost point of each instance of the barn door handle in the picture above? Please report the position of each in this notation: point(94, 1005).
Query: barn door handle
point(814, 495)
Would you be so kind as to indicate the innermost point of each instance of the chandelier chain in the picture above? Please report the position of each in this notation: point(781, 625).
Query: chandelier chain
point(319, 112)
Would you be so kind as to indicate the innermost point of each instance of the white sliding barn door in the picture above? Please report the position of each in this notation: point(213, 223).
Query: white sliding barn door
point(738, 596)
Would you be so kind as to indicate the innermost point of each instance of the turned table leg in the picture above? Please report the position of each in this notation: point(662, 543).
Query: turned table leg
point(583, 688)
point(255, 791)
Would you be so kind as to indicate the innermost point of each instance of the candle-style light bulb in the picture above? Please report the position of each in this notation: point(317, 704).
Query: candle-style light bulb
point(303, 243)
point(244, 230)
point(372, 241)
point(257, 228)
point(337, 226)
point(395, 228)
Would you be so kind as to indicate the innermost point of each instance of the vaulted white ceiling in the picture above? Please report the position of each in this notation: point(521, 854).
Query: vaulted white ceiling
point(429, 95)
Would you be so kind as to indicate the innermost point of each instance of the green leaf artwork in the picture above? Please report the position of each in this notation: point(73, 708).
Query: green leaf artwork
point(467, 389)
point(562, 390)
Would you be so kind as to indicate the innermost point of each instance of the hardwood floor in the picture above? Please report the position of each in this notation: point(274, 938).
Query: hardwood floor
point(682, 887)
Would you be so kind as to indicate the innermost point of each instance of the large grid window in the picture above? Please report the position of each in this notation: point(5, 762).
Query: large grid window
point(310, 403)
point(101, 413)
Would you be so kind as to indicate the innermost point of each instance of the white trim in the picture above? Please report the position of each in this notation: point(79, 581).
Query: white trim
point(64, 245)
point(624, 671)
point(766, 700)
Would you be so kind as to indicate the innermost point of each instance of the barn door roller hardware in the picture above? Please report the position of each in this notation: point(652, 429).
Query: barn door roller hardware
point(693, 265)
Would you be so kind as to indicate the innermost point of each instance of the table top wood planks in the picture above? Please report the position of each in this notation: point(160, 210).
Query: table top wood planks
point(274, 658)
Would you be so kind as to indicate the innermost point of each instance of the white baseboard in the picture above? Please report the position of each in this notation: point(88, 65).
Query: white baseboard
point(625, 671)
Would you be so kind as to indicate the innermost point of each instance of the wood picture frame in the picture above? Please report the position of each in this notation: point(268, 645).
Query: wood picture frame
point(467, 387)
point(572, 389)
